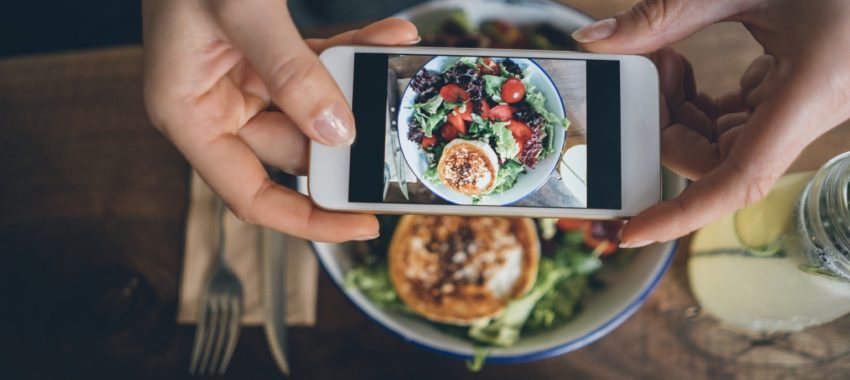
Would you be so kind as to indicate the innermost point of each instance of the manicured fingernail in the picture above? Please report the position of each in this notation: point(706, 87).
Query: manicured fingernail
point(368, 237)
point(414, 42)
point(599, 30)
point(636, 244)
point(334, 126)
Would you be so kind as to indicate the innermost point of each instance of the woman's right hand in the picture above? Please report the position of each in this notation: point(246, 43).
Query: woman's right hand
point(737, 145)
point(234, 86)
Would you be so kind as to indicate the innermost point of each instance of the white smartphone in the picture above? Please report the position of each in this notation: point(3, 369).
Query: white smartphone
point(492, 132)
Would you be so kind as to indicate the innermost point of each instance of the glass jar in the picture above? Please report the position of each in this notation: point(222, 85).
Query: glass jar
point(782, 264)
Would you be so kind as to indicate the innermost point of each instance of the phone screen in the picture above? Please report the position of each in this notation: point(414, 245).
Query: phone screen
point(506, 131)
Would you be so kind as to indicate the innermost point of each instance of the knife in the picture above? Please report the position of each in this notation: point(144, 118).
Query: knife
point(392, 106)
point(275, 248)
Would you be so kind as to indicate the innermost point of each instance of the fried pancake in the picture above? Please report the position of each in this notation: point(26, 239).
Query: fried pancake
point(460, 270)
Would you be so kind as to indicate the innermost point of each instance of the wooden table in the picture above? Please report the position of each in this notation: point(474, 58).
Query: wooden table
point(92, 207)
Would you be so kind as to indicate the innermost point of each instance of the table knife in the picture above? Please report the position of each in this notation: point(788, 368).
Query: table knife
point(275, 248)
point(274, 293)
point(392, 105)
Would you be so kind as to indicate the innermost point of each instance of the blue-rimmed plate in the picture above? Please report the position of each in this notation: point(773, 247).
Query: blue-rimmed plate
point(627, 288)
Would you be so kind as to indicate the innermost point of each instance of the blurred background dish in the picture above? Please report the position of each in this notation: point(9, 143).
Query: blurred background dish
point(626, 288)
point(469, 23)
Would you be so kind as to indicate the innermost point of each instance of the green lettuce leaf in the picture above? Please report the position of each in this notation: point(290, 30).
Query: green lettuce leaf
point(431, 174)
point(469, 61)
point(478, 358)
point(431, 105)
point(507, 176)
point(493, 86)
point(537, 102)
point(429, 123)
point(506, 145)
point(374, 282)
point(504, 330)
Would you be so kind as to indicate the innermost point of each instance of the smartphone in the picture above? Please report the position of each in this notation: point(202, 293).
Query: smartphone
point(492, 132)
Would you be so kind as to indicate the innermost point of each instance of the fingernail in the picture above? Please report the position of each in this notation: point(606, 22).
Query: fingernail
point(367, 237)
point(414, 42)
point(599, 30)
point(334, 126)
point(636, 244)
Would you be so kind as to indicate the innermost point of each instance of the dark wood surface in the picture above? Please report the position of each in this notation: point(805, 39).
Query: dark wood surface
point(92, 207)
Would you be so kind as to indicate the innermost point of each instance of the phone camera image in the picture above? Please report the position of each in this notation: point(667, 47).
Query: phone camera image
point(486, 130)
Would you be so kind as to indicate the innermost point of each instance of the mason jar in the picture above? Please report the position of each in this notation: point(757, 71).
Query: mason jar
point(782, 264)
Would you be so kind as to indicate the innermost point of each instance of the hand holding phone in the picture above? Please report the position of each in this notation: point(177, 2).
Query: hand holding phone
point(469, 131)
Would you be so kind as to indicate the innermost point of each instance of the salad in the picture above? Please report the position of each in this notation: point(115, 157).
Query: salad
point(571, 254)
point(458, 31)
point(491, 105)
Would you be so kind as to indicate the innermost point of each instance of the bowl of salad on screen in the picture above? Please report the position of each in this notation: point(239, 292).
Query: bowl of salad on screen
point(482, 130)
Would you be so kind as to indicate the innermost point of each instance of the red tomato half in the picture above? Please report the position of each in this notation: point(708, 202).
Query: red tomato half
point(489, 67)
point(428, 142)
point(567, 224)
point(512, 90)
point(466, 115)
point(485, 109)
point(453, 93)
point(521, 133)
point(502, 112)
point(456, 120)
point(449, 132)
point(602, 231)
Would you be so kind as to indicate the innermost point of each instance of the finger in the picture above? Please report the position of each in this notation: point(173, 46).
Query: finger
point(276, 140)
point(232, 170)
point(774, 78)
point(671, 73)
point(389, 31)
point(689, 83)
point(297, 81)
point(707, 105)
point(686, 152)
point(731, 120)
point(753, 89)
point(727, 141)
point(652, 24)
point(731, 102)
point(755, 73)
point(692, 117)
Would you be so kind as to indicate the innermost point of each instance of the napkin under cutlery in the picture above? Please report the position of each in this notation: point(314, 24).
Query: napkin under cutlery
point(243, 244)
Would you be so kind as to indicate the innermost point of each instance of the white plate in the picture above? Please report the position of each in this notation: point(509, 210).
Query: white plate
point(527, 182)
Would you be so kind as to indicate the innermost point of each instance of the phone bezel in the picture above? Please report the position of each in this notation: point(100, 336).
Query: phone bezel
point(329, 178)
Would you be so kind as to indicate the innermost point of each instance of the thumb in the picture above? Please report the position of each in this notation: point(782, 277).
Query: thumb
point(652, 24)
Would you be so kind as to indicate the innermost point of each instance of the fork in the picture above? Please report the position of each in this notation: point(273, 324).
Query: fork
point(219, 313)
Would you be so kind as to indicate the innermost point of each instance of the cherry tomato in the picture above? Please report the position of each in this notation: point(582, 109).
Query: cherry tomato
point(454, 93)
point(488, 67)
point(449, 132)
point(466, 115)
point(485, 109)
point(428, 142)
point(456, 120)
point(512, 90)
point(568, 224)
point(521, 133)
point(604, 231)
point(502, 112)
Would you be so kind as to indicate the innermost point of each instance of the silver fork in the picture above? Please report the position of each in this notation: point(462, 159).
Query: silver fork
point(219, 314)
